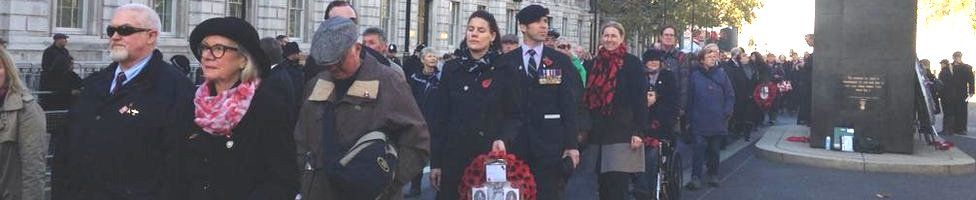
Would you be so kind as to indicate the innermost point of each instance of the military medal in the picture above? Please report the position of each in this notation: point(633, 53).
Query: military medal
point(465, 88)
point(230, 144)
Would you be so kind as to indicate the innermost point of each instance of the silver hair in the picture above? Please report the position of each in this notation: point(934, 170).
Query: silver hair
point(426, 51)
point(150, 17)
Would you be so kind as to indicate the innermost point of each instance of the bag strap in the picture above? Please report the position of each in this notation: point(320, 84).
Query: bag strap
point(362, 143)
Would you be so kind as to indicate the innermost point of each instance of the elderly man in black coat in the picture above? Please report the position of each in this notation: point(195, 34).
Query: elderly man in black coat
point(123, 132)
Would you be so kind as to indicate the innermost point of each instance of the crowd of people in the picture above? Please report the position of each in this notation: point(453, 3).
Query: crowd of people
point(351, 120)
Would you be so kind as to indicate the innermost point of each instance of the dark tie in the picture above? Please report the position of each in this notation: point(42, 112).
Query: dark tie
point(533, 68)
point(118, 82)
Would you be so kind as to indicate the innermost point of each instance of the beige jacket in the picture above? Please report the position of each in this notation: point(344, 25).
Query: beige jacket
point(23, 145)
point(379, 100)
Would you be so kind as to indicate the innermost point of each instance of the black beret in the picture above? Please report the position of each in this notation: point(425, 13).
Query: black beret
point(291, 48)
point(652, 54)
point(235, 29)
point(531, 14)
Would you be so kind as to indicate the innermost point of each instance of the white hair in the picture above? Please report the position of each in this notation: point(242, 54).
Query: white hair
point(150, 17)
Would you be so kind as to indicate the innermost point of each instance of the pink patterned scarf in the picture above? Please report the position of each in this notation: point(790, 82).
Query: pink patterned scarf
point(219, 114)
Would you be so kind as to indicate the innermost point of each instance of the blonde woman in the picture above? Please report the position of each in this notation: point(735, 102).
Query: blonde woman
point(23, 137)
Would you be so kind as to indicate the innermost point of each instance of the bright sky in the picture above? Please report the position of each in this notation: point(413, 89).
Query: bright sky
point(781, 24)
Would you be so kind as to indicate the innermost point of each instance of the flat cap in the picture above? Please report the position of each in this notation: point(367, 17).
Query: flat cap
point(332, 40)
point(531, 14)
point(60, 36)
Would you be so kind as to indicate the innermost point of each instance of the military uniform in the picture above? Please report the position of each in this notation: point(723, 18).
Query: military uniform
point(550, 101)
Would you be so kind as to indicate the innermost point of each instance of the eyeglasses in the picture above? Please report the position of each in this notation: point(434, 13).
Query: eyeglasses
point(124, 30)
point(217, 51)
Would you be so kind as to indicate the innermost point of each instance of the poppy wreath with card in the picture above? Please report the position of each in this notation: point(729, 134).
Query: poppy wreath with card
point(765, 95)
point(518, 173)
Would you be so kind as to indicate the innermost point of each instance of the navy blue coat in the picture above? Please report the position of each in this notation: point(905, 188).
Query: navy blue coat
point(473, 111)
point(550, 110)
point(664, 112)
point(710, 101)
point(109, 152)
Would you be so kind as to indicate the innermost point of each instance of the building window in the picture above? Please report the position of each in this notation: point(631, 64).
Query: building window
point(481, 7)
point(166, 13)
point(296, 10)
point(385, 15)
point(236, 8)
point(455, 22)
point(70, 13)
point(579, 31)
point(512, 25)
point(565, 26)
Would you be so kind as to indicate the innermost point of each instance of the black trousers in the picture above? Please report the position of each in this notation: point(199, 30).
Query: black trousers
point(955, 115)
point(614, 185)
point(550, 182)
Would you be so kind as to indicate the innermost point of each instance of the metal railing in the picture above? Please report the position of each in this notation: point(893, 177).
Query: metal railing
point(31, 73)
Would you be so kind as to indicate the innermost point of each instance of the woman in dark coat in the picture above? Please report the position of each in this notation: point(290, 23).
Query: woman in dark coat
point(63, 83)
point(479, 110)
point(424, 85)
point(615, 98)
point(710, 101)
point(240, 145)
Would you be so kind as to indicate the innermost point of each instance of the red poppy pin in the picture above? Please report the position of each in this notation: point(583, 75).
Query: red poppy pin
point(655, 124)
point(486, 83)
point(547, 62)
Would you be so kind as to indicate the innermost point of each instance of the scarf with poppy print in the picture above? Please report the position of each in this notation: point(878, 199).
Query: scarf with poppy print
point(603, 79)
point(219, 114)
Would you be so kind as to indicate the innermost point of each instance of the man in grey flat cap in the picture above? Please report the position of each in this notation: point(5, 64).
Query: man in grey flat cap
point(351, 100)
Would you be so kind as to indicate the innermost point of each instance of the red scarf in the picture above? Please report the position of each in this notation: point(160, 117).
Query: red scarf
point(219, 114)
point(603, 79)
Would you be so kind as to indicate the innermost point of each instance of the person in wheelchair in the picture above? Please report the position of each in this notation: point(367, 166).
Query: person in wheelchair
point(662, 101)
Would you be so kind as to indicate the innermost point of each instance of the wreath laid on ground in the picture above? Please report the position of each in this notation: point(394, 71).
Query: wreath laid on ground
point(517, 171)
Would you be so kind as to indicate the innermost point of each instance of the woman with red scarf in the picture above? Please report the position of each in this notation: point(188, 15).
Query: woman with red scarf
point(241, 144)
point(616, 102)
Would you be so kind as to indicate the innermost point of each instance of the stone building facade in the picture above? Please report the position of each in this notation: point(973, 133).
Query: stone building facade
point(29, 24)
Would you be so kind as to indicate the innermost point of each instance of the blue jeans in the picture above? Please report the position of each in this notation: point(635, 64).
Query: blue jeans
point(706, 151)
point(645, 182)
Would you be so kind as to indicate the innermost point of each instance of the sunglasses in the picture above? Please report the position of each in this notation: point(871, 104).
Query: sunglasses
point(124, 30)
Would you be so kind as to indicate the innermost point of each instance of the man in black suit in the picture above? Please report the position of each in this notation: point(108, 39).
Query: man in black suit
point(126, 128)
point(548, 84)
point(957, 82)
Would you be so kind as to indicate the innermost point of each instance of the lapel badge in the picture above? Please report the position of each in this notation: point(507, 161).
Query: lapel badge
point(128, 110)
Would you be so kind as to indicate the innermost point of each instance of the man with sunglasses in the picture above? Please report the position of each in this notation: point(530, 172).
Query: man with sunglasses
point(125, 128)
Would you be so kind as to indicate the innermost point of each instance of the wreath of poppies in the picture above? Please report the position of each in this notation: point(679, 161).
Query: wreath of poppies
point(772, 90)
point(517, 171)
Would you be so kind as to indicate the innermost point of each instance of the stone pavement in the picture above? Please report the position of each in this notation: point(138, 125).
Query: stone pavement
point(925, 160)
